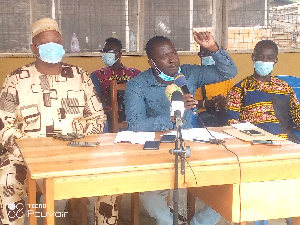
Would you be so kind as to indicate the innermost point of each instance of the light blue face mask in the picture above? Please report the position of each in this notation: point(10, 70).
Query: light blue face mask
point(109, 58)
point(207, 61)
point(51, 52)
point(263, 68)
point(164, 76)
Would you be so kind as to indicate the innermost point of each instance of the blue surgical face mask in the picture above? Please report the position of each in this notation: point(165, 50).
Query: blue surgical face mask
point(263, 68)
point(164, 76)
point(109, 58)
point(51, 52)
point(207, 61)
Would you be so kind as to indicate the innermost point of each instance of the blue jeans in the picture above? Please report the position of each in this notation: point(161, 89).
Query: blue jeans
point(206, 216)
point(155, 203)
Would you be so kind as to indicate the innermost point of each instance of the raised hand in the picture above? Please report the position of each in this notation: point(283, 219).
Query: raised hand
point(206, 40)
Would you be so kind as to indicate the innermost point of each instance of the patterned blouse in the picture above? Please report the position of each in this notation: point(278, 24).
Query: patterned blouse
point(257, 102)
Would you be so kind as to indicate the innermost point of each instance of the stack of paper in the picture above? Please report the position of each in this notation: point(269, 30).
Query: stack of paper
point(201, 134)
point(134, 137)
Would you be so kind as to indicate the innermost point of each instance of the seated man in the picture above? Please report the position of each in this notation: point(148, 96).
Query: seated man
point(39, 100)
point(264, 100)
point(212, 97)
point(148, 109)
point(114, 70)
point(111, 56)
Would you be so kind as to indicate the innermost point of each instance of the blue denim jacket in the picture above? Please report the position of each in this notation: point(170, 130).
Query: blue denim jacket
point(147, 107)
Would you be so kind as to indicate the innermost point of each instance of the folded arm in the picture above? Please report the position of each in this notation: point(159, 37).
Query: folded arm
point(8, 112)
point(93, 118)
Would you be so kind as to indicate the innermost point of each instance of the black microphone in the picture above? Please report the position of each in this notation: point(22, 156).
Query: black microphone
point(170, 89)
point(180, 81)
point(177, 104)
point(177, 107)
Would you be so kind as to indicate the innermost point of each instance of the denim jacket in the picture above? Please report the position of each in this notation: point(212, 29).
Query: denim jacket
point(146, 105)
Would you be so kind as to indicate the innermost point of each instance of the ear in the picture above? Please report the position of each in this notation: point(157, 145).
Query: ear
point(34, 49)
point(120, 53)
point(252, 57)
point(276, 60)
point(150, 62)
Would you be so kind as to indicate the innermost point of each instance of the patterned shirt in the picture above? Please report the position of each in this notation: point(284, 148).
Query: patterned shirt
point(252, 100)
point(102, 77)
point(38, 105)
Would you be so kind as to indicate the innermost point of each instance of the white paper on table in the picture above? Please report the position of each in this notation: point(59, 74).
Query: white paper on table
point(201, 134)
point(134, 137)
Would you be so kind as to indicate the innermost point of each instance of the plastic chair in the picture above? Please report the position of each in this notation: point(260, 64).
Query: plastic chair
point(294, 82)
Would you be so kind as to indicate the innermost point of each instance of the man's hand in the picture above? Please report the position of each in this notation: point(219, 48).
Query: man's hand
point(189, 101)
point(206, 40)
point(220, 101)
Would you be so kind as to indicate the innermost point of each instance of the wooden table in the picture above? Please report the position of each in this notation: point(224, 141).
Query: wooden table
point(268, 188)
point(74, 172)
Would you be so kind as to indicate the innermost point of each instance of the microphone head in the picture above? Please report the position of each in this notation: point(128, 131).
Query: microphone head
point(177, 104)
point(180, 80)
point(177, 96)
point(170, 89)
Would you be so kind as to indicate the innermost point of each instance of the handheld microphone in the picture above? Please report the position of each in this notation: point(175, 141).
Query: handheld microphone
point(174, 95)
point(170, 89)
point(180, 81)
point(177, 104)
point(177, 107)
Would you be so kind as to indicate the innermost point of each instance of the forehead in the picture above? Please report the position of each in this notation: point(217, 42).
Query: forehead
point(265, 49)
point(47, 36)
point(163, 48)
point(110, 45)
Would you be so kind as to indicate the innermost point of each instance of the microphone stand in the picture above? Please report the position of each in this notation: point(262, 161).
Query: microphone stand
point(178, 151)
